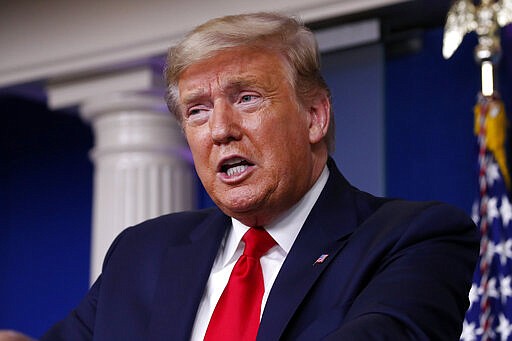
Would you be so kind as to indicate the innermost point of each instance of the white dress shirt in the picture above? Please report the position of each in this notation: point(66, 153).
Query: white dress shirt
point(284, 231)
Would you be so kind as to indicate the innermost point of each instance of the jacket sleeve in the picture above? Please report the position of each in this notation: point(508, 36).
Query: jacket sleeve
point(419, 288)
point(79, 324)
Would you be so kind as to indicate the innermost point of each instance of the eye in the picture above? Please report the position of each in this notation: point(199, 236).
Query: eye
point(248, 101)
point(197, 110)
point(194, 111)
point(198, 114)
point(247, 98)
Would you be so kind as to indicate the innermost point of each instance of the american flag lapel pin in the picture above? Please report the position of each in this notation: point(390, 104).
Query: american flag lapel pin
point(321, 259)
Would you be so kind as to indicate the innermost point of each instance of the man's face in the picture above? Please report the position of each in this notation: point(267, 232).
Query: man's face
point(250, 140)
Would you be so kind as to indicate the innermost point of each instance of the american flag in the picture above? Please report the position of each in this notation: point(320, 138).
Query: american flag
point(321, 259)
point(489, 316)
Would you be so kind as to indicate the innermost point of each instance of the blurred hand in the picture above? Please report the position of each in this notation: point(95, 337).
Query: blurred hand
point(11, 335)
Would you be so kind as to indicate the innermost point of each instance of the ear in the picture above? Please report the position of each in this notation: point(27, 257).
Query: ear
point(319, 117)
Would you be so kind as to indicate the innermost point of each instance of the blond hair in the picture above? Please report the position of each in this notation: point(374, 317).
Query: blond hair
point(284, 35)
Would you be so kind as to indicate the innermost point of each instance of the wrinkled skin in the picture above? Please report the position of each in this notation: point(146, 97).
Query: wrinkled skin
point(241, 112)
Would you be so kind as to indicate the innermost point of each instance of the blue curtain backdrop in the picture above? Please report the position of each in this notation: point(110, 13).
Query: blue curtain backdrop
point(46, 176)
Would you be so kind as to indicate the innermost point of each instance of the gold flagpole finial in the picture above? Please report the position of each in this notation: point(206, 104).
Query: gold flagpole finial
point(485, 19)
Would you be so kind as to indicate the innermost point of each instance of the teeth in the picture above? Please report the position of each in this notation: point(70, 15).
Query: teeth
point(236, 170)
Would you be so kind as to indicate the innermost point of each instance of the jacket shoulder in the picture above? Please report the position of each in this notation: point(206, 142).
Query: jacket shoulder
point(173, 225)
point(153, 236)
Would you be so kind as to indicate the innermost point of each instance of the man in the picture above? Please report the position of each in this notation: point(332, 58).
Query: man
point(338, 263)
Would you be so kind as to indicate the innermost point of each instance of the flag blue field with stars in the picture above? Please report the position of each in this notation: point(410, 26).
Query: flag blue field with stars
point(489, 316)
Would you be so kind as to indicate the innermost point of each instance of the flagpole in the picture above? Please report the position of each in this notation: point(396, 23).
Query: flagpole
point(489, 316)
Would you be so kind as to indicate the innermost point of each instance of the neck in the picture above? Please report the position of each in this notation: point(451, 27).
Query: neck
point(266, 214)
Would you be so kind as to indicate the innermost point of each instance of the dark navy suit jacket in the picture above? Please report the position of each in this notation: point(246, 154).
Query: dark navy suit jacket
point(395, 270)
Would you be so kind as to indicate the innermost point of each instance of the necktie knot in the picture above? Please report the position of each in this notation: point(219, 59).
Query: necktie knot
point(257, 242)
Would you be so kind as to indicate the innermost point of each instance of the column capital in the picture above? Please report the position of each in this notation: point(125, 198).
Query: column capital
point(95, 87)
point(126, 101)
point(133, 122)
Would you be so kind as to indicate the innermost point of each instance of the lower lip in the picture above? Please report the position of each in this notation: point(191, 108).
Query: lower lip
point(234, 179)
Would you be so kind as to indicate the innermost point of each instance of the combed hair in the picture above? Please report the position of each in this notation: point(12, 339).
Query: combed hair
point(271, 31)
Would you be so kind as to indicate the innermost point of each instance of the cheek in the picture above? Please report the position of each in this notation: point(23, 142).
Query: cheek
point(199, 147)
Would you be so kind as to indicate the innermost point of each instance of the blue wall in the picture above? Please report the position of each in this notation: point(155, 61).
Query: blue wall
point(45, 199)
point(430, 149)
point(46, 176)
point(356, 80)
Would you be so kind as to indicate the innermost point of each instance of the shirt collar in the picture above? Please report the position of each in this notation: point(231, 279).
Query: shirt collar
point(285, 229)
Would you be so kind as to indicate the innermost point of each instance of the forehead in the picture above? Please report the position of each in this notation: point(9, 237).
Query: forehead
point(233, 67)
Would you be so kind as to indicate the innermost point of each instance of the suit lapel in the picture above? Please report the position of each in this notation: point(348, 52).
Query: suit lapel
point(185, 271)
point(331, 221)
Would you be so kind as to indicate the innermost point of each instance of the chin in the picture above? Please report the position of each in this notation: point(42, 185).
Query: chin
point(238, 207)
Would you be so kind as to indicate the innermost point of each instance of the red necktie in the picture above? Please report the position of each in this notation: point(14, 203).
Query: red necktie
point(237, 314)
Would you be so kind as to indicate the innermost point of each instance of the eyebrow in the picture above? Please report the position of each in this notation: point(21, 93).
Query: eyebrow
point(241, 82)
point(194, 95)
point(234, 83)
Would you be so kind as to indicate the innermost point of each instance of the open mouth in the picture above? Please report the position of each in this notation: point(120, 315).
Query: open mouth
point(235, 166)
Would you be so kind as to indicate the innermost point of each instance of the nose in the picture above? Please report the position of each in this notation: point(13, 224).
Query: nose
point(224, 123)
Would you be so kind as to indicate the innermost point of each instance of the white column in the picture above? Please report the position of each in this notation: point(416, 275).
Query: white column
point(141, 161)
point(140, 170)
